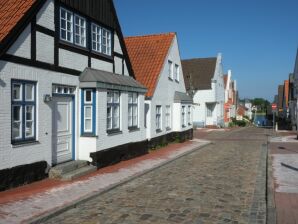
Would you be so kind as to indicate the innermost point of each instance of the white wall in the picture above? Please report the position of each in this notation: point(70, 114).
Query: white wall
point(42, 150)
point(44, 52)
point(101, 65)
point(164, 94)
point(45, 17)
point(72, 60)
point(22, 46)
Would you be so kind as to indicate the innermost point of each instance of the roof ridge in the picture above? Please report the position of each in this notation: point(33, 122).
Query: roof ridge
point(188, 59)
point(151, 35)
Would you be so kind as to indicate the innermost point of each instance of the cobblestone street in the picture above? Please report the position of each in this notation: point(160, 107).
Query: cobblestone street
point(215, 184)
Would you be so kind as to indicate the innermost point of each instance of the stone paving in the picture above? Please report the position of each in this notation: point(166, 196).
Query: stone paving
point(219, 183)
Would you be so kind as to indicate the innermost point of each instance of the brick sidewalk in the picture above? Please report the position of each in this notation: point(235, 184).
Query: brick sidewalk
point(285, 150)
point(34, 200)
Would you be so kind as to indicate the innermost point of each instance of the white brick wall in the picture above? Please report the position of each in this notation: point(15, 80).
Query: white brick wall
point(45, 17)
point(72, 60)
point(164, 94)
point(118, 65)
point(44, 48)
point(22, 46)
point(125, 69)
point(117, 46)
point(101, 65)
point(24, 154)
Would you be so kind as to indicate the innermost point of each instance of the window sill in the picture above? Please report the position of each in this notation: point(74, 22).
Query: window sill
point(114, 132)
point(189, 124)
point(85, 135)
point(132, 129)
point(168, 129)
point(158, 130)
point(24, 143)
point(170, 78)
point(176, 81)
point(183, 126)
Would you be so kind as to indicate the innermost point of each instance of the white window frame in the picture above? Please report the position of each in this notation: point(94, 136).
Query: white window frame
point(189, 115)
point(98, 37)
point(82, 26)
point(88, 118)
point(32, 121)
point(183, 116)
point(106, 41)
point(158, 117)
point(112, 105)
point(170, 69)
point(21, 91)
point(65, 29)
point(133, 99)
point(177, 72)
point(168, 117)
point(19, 121)
point(85, 96)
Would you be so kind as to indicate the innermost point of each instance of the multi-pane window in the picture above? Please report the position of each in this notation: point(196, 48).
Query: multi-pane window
point(106, 41)
point(183, 116)
point(80, 31)
point(132, 109)
point(170, 69)
point(23, 111)
point(66, 25)
point(101, 39)
point(176, 72)
point(113, 110)
point(168, 117)
point(96, 37)
point(158, 117)
point(88, 110)
point(189, 115)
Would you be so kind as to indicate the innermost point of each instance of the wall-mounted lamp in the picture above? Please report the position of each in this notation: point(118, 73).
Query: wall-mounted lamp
point(47, 98)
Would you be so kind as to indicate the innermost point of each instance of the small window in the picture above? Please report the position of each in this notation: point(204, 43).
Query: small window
point(23, 111)
point(176, 72)
point(170, 69)
point(189, 115)
point(168, 117)
point(183, 116)
point(158, 118)
point(66, 25)
point(88, 111)
point(113, 110)
point(80, 31)
point(132, 110)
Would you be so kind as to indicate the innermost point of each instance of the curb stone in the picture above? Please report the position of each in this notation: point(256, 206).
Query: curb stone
point(50, 214)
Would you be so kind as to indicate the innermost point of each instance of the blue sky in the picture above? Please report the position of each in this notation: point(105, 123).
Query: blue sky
point(257, 38)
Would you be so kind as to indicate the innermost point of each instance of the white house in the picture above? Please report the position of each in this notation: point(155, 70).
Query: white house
point(168, 109)
point(204, 81)
point(67, 89)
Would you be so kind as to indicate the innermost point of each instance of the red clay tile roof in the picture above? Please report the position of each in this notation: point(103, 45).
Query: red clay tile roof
point(11, 12)
point(147, 55)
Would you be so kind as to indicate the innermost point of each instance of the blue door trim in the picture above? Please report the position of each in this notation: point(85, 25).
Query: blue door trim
point(73, 121)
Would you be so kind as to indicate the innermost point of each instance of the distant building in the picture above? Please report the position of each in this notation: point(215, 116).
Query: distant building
point(204, 81)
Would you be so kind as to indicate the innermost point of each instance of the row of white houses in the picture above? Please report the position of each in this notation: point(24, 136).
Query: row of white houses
point(68, 90)
point(73, 88)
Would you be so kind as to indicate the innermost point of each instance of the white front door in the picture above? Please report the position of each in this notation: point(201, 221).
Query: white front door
point(62, 129)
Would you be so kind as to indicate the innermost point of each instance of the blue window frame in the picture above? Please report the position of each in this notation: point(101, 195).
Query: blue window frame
point(23, 107)
point(88, 111)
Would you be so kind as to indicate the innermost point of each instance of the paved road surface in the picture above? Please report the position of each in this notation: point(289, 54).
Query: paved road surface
point(220, 183)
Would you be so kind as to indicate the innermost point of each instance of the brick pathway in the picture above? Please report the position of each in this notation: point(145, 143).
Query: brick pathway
point(284, 149)
point(221, 183)
point(34, 200)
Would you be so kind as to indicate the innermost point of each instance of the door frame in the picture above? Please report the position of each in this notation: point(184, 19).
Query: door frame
point(73, 135)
